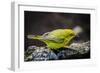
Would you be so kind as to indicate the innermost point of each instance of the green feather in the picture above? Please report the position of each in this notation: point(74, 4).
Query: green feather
point(57, 38)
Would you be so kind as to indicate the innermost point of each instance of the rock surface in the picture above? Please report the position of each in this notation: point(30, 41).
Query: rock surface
point(43, 54)
point(82, 48)
point(75, 51)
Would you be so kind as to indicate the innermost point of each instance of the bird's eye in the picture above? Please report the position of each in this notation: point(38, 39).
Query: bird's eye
point(71, 34)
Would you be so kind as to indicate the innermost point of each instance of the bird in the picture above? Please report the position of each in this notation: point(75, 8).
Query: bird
point(55, 39)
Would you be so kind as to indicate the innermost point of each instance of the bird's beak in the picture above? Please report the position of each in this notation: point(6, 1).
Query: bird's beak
point(77, 35)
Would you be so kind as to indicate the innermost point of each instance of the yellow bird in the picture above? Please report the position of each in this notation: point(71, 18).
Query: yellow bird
point(55, 39)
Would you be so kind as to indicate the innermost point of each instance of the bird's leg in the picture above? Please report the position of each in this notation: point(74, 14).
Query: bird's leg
point(66, 47)
point(68, 43)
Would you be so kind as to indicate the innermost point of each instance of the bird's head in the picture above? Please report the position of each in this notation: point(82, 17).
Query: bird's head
point(70, 33)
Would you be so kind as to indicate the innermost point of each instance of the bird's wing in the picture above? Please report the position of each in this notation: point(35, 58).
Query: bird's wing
point(45, 34)
point(53, 38)
point(58, 40)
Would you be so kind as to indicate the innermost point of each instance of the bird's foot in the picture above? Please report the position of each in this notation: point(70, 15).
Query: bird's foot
point(66, 47)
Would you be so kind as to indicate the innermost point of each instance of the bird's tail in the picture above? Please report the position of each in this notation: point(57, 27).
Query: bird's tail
point(34, 37)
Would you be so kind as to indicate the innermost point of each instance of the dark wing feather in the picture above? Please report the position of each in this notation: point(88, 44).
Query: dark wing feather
point(46, 36)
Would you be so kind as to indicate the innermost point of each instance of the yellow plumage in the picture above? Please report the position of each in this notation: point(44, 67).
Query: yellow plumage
point(56, 39)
